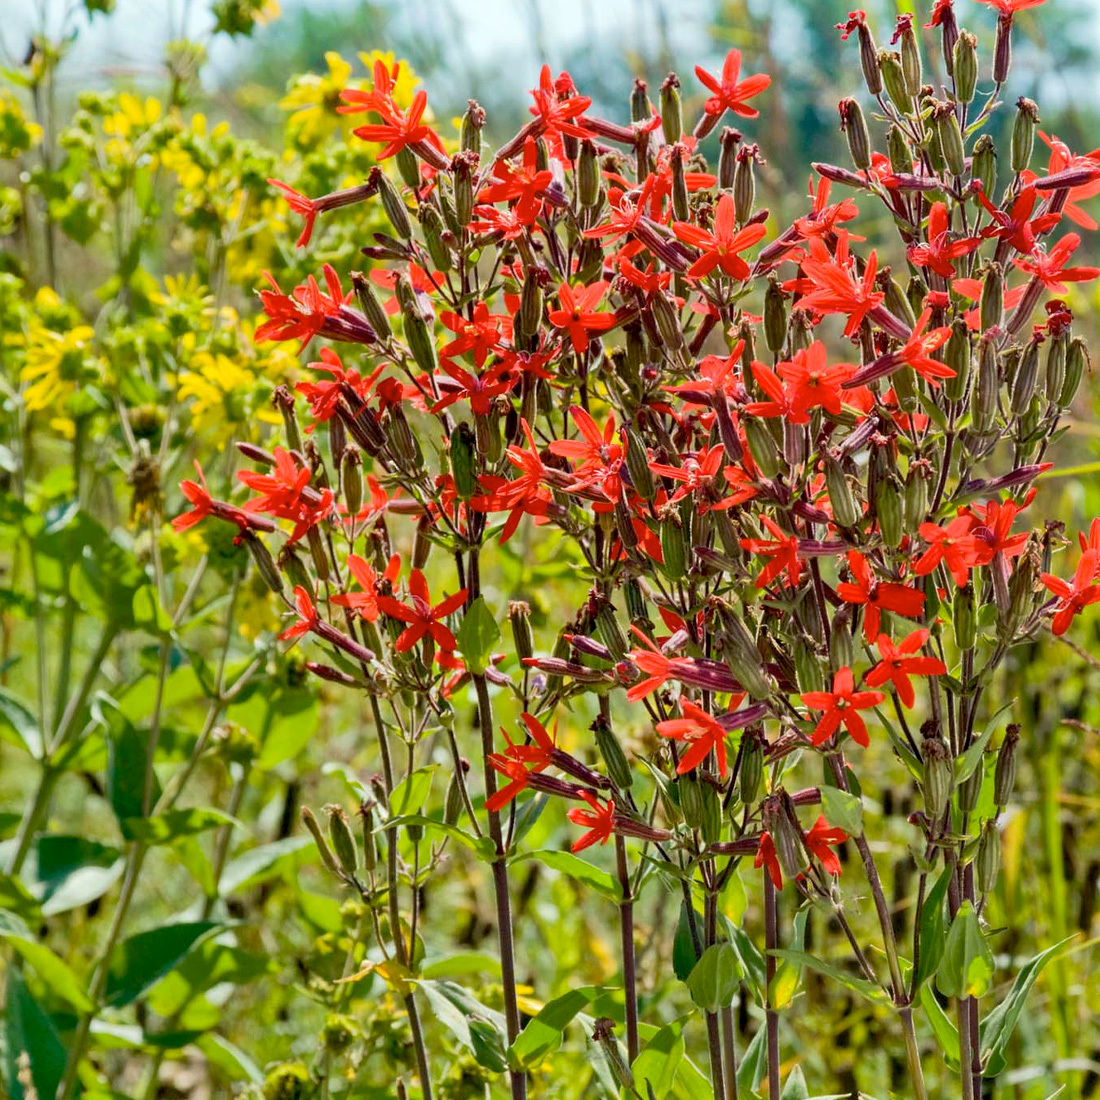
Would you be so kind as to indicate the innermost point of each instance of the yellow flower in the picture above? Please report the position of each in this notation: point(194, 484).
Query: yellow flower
point(313, 99)
point(254, 611)
point(56, 364)
point(17, 132)
point(132, 114)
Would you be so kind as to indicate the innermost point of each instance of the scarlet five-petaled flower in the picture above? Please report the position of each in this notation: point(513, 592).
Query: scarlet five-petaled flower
point(578, 315)
point(702, 733)
point(285, 493)
point(729, 94)
point(783, 551)
point(720, 248)
point(1050, 269)
point(366, 600)
point(940, 249)
point(831, 287)
point(399, 129)
point(599, 821)
point(819, 839)
point(1075, 597)
point(601, 457)
point(900, 661)
point(518, 761)
point(307, 616)
point(877, 596)
point(421, 616)
point(841, 706)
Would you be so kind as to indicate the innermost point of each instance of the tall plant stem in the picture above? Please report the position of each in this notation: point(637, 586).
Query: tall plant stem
point(714, 1033)
point(626, 925)
point(771, 943)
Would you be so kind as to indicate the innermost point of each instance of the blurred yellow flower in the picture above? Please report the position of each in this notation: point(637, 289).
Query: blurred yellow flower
point(56, 363)
point(313, 99)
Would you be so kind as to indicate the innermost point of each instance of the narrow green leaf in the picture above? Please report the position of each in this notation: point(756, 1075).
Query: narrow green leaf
point(931, 928)
point(943, 1029)
point(575, 867)
point(168, 827)
point(266, 862)
point(53, 970)
point(869, 990)
point(29, 1031)
point(656, 1067)
point(478, 1028)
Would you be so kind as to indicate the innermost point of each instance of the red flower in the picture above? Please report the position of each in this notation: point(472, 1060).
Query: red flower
point(578, 315)
point(1061, 160)
point(954, 545)
point(1074, 598)
point(300, 204)
point(601, 457)
point(720, 248)
point(307, 616)
point(627, 208)
point(525, 495)
point(479, 391)
point(203, 505)
point(555, 116)
point(421, 616)
point(812, 383)
point(824, 218)
point(285, 493)
point(992, 530)
point(308, 312)
point(877, 596)
point(940, 250)
point(324, 396)
point(366, 601)
point(899, 662)
point(1050, 267)
point(1013, 225)
point(400, 130)
point(819, 840)
point(942, 10)
point(479, 336)
point(515, 772)
point(780, 404)
point(524, 183)
point(598, 821)
point(697, 472)
point(727, 94)
point(834, 289)
point(783, 551)
point(702, 733)
point(1011, 7)
point(841, 705)
point(379, 99)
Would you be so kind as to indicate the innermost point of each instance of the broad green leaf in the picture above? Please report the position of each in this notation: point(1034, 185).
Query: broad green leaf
point(713, 980)
point(412, 792)
point(141, 960)
point(997, 1027)
point(266, 862)
point(28, 1030)
point(281, 717)
point(477, 636)
point(209, 964)
point(16, 898)
point(476, 1027)
point(872, 992)
point(542, 1034)
point(230, 1059)
point(575, 867)
point(465, 962)
point(931, 928)
point(794, 1088)
point(843, 810)
point(966, 969)
point(684, 957)
point(784, 984)
point(657, 1064)
point(173, 825)
point(54, 971)
point(63, 872)
point(19, 727)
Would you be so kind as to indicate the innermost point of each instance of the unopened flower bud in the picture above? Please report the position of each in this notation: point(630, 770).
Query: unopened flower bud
point(351, 479)
point(983, 398)
point(964, 617)
point(1021, 595)
point(519, 618)
point(637, 464)
point(983, 164)
point(894, 80)
point(673, 548)
point(727, 157)
point(681, 205)
point(869, 59)
point(408, 166)
point(296, 572)
point(283, 400)
point(366, 822)
point(782, 826)
point(956, 355)
point(846, 511)
point(369, 304)
point(939, 776)
point(1004, 776)
point(1002, 49)
point(888, 509)
point(775, 315)
point(854, 126)
point(744, 184)
point(841, 643)
point(265, 564)
point(453, 804)
point(1023, 133)
point(987, 865)
point(394, 205)
point(1026, 377)
point(970, 789)
point(966, 66)
point(530, 304)
point(672, 114)
point(464, 462)
point(588, 174)
point(807, 665)
point(742, 653)
point(615, 761)
point(402, 440)
point(1056, 367)
point(422, 543)
point(946, 125)
point(1077, 359)
point(472, 122)
point(917, 484)
point(329, 860)
point(897, 302)
point(762, 444)
point(343, 843)
point(897, 149)
point(752, 768)
point(607, 626)
point(431, 225)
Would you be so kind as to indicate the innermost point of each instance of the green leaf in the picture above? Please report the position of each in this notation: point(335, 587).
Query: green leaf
point(542, 1034)
point(684, 957)
point(931, 928)
point(266, 862)
point(464, 963)
point(477, 636)
point(843, 810)
point(482, 846)
point(869, 990)
point(657, 1064)
point(128, 751)
point(28, 1030)
point(754, 1064)
point(412, 792)
point(54, 971)
point(997, 1027)
point(794, 1088)
point(168, 827)
point(283, 718)
point(19, 727)
point(965, 764)
point(230, 1059)
point(966, 969)
point(478, 1028)
point(713, 980)
point(64, 872)
point(575, 867)
point(141, 960)
point(943, 1029)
